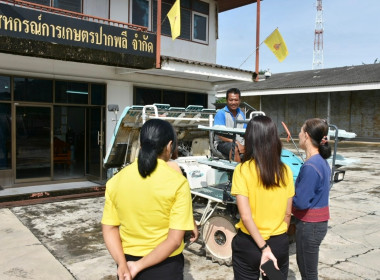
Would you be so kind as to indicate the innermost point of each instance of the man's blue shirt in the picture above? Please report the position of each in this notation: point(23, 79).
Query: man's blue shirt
point(220, 117)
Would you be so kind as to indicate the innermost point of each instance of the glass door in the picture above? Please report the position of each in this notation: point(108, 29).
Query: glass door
point(33, 143)
point(94, 144)
point(69, 142)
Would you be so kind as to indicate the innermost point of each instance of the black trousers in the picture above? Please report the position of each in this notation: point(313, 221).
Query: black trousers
point(246, 255)
point(169, 269)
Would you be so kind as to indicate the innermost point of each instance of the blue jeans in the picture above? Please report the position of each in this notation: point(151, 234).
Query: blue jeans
point(308, 239)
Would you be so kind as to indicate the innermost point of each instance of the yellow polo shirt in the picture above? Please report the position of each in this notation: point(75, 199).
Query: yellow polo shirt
point(146, 208)
point(268, 206)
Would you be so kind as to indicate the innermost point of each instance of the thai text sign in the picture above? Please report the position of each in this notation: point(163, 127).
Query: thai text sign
point(43, 26)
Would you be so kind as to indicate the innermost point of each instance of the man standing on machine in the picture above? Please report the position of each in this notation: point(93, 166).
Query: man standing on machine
point(226, 117)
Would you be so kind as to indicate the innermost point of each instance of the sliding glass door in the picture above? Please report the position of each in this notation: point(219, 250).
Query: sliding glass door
point(33, 142)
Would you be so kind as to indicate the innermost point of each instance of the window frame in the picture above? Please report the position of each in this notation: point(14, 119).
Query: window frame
point(150, 14)
point(193, 14)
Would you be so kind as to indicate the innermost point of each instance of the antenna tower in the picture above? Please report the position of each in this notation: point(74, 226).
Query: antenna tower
point(318, 38)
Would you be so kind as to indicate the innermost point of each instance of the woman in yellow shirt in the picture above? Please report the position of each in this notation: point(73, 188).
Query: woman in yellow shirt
point(264, 188)
point(147, 210)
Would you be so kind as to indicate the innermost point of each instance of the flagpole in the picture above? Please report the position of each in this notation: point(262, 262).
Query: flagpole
point(250, 55)
point(257, 40)
point(255, 49)
point(158, 34)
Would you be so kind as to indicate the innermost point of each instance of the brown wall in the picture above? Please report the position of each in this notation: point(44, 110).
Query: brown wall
point(365, 113)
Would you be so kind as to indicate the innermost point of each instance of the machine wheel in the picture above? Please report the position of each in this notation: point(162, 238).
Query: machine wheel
point(217, 234)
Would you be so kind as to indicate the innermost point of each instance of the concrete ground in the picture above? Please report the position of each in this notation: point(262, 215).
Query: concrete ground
point(62, 240)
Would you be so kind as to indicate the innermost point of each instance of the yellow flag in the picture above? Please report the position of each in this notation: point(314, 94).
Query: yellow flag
point(174, 17)
point(277, 45)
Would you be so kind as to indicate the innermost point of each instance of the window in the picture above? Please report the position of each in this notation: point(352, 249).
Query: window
point(185, 25)
point(98, 8)
point(141, 12)
point(174, 98)
point(35, 90)
point(5, 88)
point(71, 92)
point(71, 5)
point(5, 136)
point(148, 96)
point(98, 94)
point(145, 96)
point(197, 99)
point(41, 2)
point(200, 27)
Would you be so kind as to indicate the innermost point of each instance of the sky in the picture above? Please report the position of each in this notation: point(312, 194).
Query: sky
point(351, 34)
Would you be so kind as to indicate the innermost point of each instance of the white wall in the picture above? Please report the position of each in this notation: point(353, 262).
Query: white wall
point(188, 50)
point(211, 99)
point(120, 93)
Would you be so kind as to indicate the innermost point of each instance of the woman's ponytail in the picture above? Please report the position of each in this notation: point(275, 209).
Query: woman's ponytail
point(324, 148)
point(155, 134)
point(318, 130)
point(147, 159)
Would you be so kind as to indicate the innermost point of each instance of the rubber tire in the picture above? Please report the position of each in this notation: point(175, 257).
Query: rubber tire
point(217, 234)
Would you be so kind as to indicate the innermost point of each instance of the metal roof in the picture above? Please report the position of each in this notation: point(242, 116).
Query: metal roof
point(321, 80)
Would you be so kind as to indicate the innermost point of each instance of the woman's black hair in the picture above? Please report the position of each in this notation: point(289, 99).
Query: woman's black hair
point(155, 135)
point(318, 130)
point(263, 145)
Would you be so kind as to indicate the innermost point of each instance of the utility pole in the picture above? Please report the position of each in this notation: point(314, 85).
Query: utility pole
point(257, 39)
point(318, 38)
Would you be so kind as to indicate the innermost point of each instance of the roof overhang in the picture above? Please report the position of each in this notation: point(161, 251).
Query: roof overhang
point(212, 74)
point(305, 90)
point(193, 70)
point(225, 5)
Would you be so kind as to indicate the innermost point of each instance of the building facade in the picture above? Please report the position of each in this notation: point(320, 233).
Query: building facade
point(63, 63)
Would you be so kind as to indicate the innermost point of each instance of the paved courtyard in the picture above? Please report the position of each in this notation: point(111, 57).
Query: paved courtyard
point(70, 231)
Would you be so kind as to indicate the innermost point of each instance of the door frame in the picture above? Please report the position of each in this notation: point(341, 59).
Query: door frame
point(101, 143)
